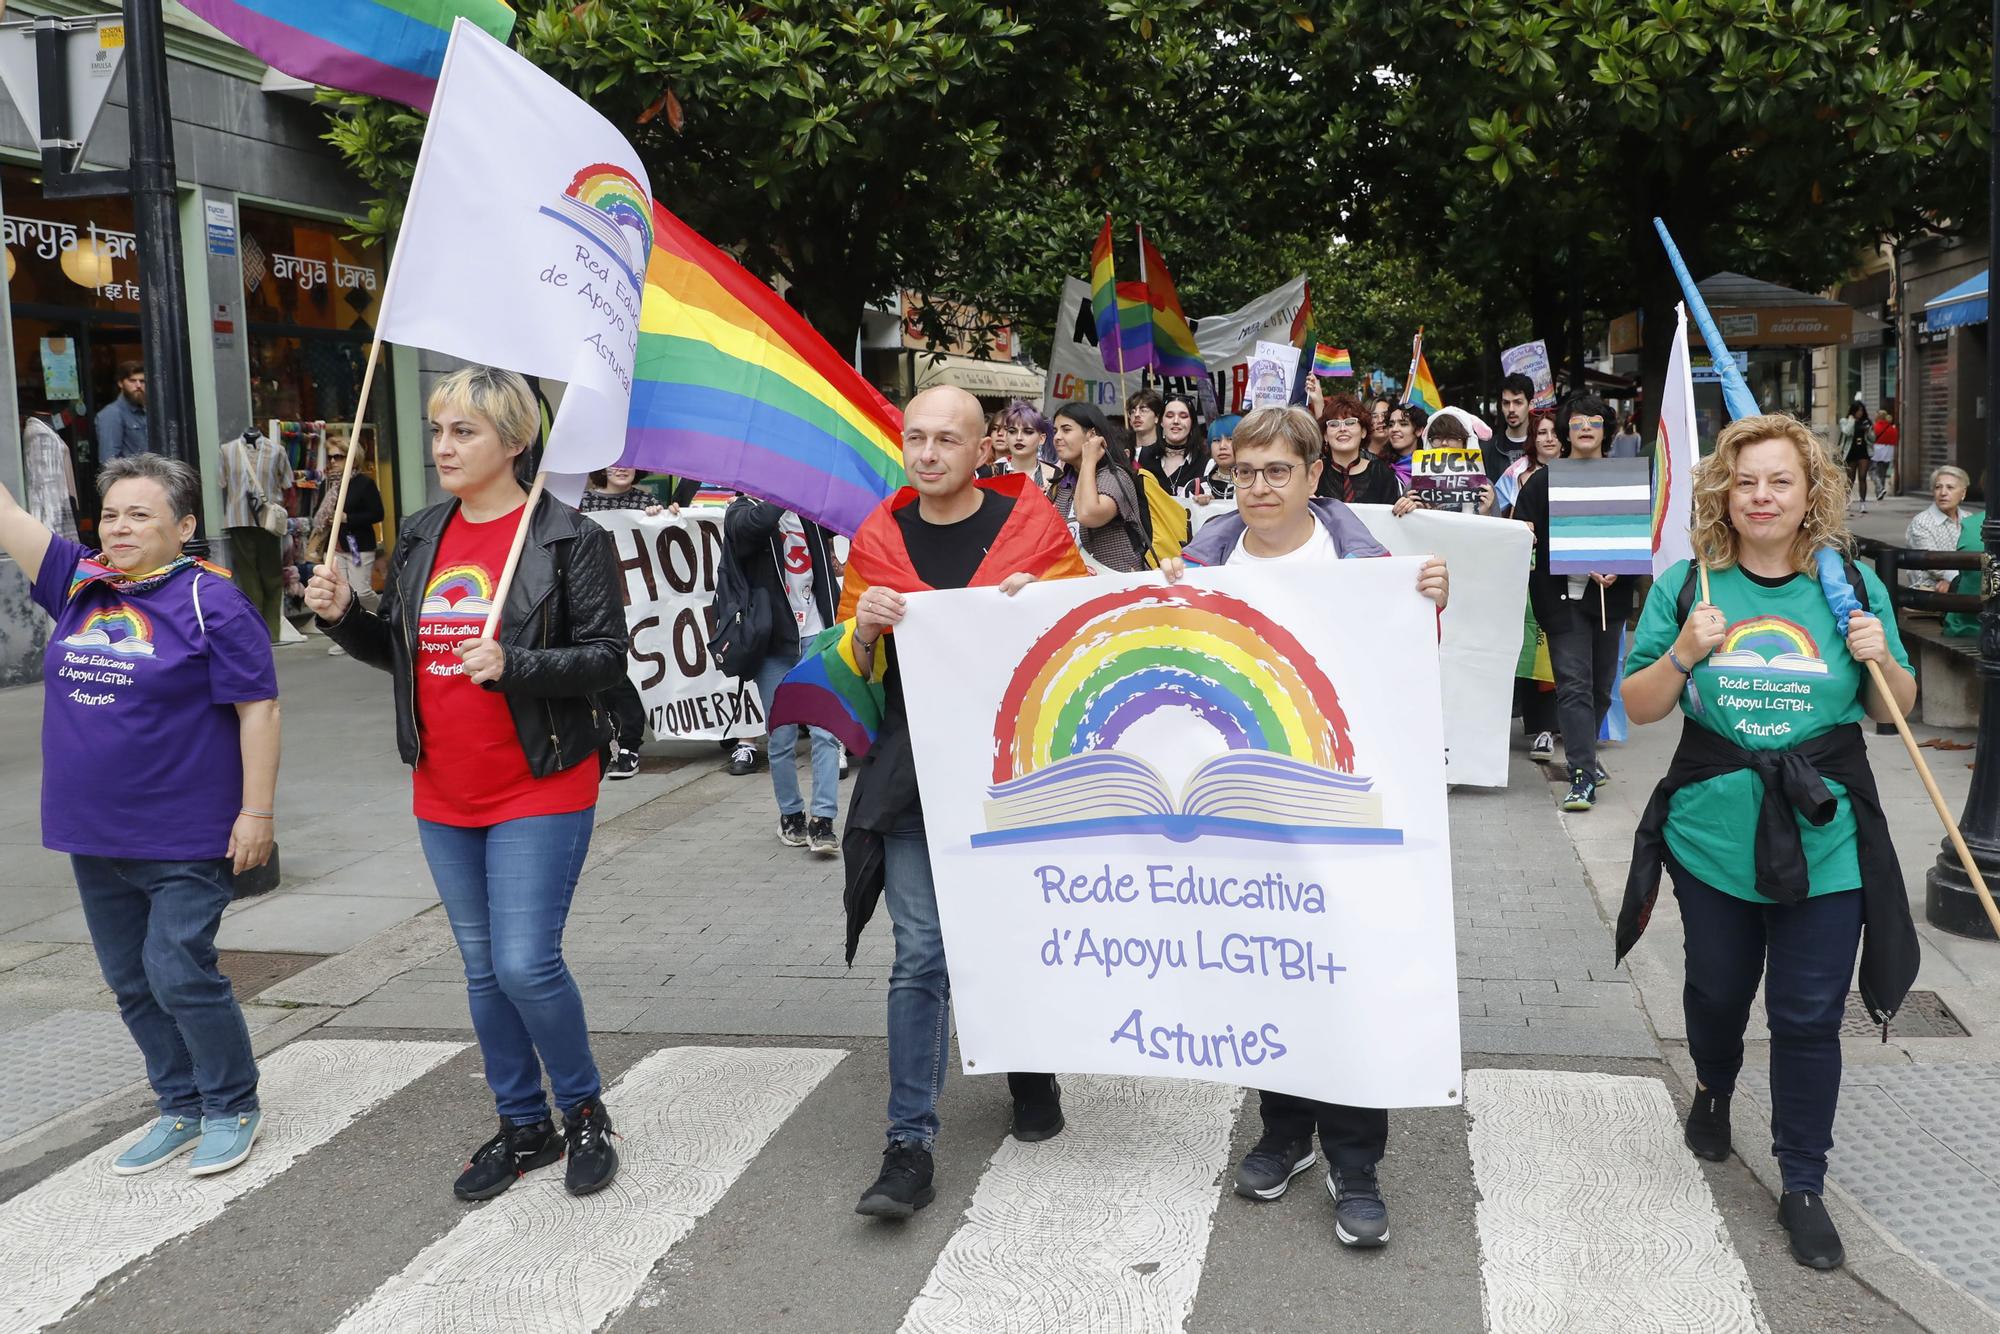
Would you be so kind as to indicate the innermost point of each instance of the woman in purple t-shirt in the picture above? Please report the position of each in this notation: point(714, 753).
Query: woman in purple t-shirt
point(157, 659)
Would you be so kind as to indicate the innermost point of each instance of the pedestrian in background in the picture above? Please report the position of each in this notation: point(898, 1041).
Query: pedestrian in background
point(791, 560)
point(356, 544)
point(617, 488)
point(1768, 821)
point(159, 779)
point(507, 736)
point(120, 428)
point(1858, 434)
point(1883, 452)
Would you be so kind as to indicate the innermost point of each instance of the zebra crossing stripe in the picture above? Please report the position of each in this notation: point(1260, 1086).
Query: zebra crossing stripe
point(60, 1237)
point(1103, 1227)
point(691, 1119)
point(1592, 1213)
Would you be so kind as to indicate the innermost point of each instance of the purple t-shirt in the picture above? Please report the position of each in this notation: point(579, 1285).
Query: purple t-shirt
point(141, 754)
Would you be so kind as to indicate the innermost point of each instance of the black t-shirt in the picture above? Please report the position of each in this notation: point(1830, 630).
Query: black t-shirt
point(947, 555)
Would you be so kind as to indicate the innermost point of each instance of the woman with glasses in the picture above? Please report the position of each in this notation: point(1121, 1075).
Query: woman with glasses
point(1349, 474)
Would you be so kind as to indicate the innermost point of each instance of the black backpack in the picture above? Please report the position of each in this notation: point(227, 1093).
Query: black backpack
point(743, 623)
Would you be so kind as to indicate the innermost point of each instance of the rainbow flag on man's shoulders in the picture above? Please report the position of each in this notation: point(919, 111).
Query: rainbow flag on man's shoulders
point(387, 48)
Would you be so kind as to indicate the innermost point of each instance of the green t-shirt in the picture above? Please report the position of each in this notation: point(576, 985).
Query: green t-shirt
point(1969, 539)
point(1780, 676)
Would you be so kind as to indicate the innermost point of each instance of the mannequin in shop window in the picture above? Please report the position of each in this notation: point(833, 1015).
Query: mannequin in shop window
point(255, 475)
point(48, 471)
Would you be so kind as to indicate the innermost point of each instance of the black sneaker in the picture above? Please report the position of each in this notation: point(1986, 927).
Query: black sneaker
point(501, 1161)
point(1582, 792)
point(1708, 1125)
point(1038, 1111)
point(820, 836)
point(792, 830)
point(1359, 1216)
point(587, 1136)
point(624, 764)
point(1815, 1241)
point(744, 759)
point(904, 1186)
point(1266, 1171)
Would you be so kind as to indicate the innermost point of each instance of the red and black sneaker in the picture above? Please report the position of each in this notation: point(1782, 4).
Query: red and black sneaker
point(502, 1160)
point(593, 1161)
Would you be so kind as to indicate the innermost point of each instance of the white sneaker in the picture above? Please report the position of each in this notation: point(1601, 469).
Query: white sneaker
point(1543, 747)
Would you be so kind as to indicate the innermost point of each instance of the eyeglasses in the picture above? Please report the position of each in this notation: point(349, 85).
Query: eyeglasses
point(1275, 475)
point(1343, 421)
point(1587, 423)
point(335, 460)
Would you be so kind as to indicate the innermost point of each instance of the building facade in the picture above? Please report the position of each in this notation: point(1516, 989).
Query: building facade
point(281, 299)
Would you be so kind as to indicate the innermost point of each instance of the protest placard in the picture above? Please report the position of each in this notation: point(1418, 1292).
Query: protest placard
point(1532, 360)
point(1195, 830)
point(1273, 367)
point(1449, 477)
point(1480, 630)
point(666, 567)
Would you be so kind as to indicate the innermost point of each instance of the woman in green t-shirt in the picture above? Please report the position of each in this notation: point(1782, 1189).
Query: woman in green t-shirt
point(1771, 690)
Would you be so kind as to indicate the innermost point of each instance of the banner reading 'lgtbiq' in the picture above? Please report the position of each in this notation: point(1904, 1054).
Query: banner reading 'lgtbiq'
point(1194, 830)
point(667, 566)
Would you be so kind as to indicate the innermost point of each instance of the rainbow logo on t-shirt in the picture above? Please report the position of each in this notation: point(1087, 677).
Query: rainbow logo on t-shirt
point(1771, 643)
point(122, 629)
point(456, 592)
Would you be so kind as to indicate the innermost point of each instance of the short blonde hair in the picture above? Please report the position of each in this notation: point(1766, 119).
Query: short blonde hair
point(1953, 470)
point(501, 397)
point(1825, 522)
point(1293, 427)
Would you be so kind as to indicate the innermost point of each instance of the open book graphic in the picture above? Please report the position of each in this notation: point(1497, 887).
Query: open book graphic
point(1251, 794)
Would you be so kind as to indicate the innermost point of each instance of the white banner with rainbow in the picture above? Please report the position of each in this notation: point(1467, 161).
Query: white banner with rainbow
point(1193, 830)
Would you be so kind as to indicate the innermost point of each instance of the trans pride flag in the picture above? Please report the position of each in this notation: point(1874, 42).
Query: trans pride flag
point(387, 48)
point(731, 385)
point(1120, 310)
point(1173, 346)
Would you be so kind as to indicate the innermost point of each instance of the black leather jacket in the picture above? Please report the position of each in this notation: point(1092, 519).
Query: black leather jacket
point(563, 629)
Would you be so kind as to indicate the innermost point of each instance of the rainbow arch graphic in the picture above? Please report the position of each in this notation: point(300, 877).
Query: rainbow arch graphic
point(1120, 657)
point(1772, 643)
point(121, 628)
point(609, 206)
point(457, 591)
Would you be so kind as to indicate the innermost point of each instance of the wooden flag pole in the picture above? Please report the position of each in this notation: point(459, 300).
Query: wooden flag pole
point(500, 592)
point(353, 447)
point(1937, 799)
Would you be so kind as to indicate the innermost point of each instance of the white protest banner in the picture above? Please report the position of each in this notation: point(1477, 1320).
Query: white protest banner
point(1195, 830)
point(1480, 628)
point(543, 275)
point(1532, 360)
point(1448, 477)
point(666, 565)
point(1227, 342)
point(1201, 511)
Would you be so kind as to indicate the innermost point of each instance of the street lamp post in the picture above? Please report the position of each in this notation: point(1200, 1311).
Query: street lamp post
point(1950, 902)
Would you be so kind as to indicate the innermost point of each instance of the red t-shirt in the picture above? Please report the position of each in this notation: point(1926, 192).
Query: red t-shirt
point(471, 771)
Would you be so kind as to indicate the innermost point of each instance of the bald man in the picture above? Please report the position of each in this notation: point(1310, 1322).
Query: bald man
point(947, 529)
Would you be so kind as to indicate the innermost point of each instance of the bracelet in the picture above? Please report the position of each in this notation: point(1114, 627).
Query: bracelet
point(1680, 667)
point(260, 815)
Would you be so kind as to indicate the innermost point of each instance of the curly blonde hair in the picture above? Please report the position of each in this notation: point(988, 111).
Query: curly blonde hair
point(1825, 522)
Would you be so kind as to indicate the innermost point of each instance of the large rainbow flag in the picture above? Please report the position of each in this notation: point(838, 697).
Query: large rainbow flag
point(731, 385)
point(387, 48)
point(1174, 350)
point(1423, 390)
point(1120, 310)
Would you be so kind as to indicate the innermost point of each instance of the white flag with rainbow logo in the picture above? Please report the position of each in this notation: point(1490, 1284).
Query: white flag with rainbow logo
point(1675, 453)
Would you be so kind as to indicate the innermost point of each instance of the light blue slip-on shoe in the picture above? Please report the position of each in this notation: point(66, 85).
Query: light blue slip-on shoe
point(169, 1137)
point(225, 1142)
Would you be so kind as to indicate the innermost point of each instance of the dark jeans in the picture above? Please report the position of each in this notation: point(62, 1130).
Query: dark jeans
point(506, 889)
point(1804, 953)
point(628, 713)
point(1352, 1137)
point(1585, 660)
point(1536, 707)
point(153, 927)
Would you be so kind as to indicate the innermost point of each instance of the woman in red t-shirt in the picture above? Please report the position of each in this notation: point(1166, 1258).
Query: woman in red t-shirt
point(507, 735)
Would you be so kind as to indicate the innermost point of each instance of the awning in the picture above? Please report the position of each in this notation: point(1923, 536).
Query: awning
point(1963, 304)
point(987, 379)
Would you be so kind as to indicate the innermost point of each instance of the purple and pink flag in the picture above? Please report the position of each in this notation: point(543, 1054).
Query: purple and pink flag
point(387, 48)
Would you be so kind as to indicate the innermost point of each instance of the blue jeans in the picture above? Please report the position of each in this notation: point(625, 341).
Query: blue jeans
point(507, 889)
point(784, 747)
point(919, 990)
point(153, 927)
point(1804, 954)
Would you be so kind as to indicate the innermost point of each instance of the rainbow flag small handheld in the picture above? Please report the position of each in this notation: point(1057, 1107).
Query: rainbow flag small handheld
point(1423, 390)
point(1331, 360)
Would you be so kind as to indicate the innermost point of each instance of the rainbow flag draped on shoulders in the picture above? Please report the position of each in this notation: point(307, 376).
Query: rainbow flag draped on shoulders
point(1174, 350)
point(828, 689)
point(732, 386)
point(386, 48)
point(1423, 390)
